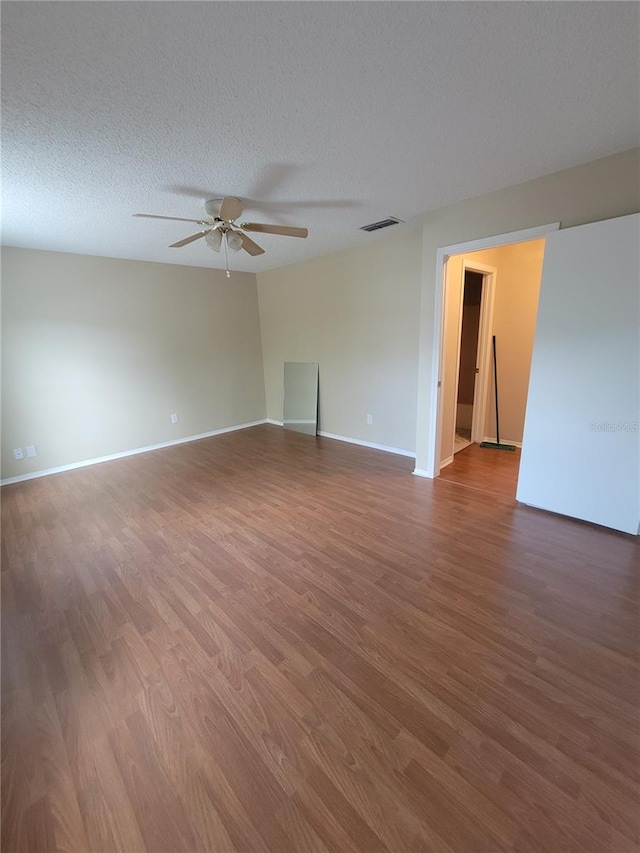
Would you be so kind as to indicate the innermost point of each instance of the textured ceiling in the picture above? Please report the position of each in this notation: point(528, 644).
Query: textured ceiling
point(325, 115)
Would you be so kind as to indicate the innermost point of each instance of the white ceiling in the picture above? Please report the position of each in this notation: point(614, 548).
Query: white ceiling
point(325, 115)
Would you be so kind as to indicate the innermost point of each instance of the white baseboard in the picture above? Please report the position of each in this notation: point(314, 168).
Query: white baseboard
point(420, 472)
point(446, 462)
point(397, 450)
point(86, 462)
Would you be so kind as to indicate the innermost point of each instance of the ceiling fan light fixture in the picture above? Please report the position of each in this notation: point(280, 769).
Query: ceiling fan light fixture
point(213, 239)
point(234, 240)
point(223, 213)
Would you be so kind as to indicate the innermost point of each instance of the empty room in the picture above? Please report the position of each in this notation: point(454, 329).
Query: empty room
point(320, 460)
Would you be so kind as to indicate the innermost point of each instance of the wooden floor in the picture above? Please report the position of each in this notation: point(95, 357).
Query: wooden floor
point(486, 469)
point(269, 642)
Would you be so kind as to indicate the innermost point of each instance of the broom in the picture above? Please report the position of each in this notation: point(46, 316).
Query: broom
point(496, 444)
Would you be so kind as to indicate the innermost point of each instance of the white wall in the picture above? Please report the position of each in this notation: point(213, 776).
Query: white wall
point(600, 190)
point(356, 313)
point(97, 353)
point(582, 441)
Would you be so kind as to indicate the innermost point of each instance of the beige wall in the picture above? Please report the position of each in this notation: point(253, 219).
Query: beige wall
point(603, 189)
point(97, 353)
point(517, 287)
point(514, 324)
point(356, 313)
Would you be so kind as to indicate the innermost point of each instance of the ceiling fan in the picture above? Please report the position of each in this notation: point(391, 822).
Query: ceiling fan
point(221, 225)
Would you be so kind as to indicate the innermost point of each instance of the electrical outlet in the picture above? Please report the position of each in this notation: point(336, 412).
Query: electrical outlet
point(18, 454)
point(174, 418)
point(31, 450)
point(369, 419)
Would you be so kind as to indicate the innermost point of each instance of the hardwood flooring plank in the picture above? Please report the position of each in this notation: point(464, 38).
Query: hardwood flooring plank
point(265, 642)
point(163, 822)
point(40, 830)
point(346, 815)
point(65, 818)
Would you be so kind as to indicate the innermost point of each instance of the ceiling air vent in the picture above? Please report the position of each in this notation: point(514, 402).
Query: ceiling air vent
point(383, 223)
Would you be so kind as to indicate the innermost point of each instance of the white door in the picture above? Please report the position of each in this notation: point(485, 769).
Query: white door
point(581, 447)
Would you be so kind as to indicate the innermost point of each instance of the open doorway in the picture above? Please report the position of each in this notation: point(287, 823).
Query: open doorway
point(487, 293)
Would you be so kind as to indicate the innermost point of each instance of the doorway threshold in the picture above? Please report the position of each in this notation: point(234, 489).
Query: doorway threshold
point(460, 442)
point(484, 469)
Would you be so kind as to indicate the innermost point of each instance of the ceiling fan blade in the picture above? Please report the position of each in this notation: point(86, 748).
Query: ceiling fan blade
point(249, 246)
point(188, 240)
point(230, 208)
point(174, 218)
point(284, 230)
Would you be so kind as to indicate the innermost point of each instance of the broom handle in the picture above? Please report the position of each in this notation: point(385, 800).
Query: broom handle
point(495, 385)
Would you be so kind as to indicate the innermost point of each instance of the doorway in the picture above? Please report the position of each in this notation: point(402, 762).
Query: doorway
point(469, 305)
point(486, 293)
point(478, 282)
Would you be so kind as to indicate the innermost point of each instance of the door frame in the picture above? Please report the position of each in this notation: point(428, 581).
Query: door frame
point(442, 256)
